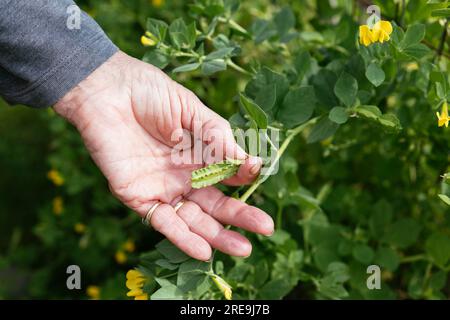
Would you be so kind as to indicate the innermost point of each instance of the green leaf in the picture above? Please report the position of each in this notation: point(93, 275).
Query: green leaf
point(413, 35)
point(324, 129)
point(179, 34)
point(403, 233)
point(214, 173)
point(438, 280)
point(254, 111)
point(170, 252)
point(369, 112)
point(187, 67)
point(417, 51)
point(438, 248)
point(397, 35)
point(266, 77)
point(158, 28)
point(442, 13)
point(267, 97)
point(346, 89)
point(387, 258)
point(363, 253)
point(191, 35)
point(190, 274)
point(338, 115)
point(275, 289)
point(339, 271)
point(324, 82)
point(390, 121)
point(444, 198)
point(213, 66)
point(156, 58)
point(219, 54)
point(375, 74)
point(237, 120)
point(166, 264)
point(302, 64)
point(168, 292)
point(381, 218)
point(262, 30)
point(331, 286)
point(284, 21)
point(440, 92)
point(297, 107)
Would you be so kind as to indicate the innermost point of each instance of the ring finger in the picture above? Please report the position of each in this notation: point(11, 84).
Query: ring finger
point(227, 241)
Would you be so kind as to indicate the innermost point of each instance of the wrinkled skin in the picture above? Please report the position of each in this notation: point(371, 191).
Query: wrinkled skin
point(130, 116)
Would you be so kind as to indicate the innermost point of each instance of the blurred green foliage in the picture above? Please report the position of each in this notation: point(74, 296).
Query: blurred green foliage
point(359, 187)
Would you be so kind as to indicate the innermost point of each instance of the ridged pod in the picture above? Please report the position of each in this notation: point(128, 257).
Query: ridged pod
point(214, 173)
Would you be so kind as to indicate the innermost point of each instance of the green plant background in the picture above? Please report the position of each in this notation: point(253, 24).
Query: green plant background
point(365, 192)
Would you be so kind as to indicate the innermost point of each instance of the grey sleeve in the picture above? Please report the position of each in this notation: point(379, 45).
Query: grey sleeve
point(43, 53)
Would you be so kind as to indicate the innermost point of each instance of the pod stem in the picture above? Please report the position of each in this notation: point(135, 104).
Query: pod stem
point(291, 134)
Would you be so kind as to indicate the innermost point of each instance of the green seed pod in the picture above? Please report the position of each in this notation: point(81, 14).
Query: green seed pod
point(214, 173)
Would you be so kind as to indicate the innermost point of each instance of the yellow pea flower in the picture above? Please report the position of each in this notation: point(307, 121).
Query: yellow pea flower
point(79, 227)
point(366, 36)
point(129, 245)
point(93, 292)
point(157, 3)
point(120, 257)
point(149, 39)
point(223, 286)
point(55, 177)
point(380, 32)
point(135, 283)
point(443, 118)
point(58, 205)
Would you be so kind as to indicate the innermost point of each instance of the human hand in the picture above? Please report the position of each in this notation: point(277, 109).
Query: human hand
point(131, 117)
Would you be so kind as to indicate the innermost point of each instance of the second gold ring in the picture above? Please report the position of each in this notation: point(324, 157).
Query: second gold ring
point(178, 205)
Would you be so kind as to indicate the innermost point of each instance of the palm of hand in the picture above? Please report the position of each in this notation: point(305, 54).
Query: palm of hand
point(130, 139)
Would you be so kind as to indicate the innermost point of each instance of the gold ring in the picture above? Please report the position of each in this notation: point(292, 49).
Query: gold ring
point(178, 205)
point(146, 220)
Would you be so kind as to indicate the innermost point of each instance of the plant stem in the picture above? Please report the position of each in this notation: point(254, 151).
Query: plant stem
point(234, 66)
point(427, 276)
point(440, 49)
point(415, 258)
point(279, 215)
point(286, 142)
point(402, 15)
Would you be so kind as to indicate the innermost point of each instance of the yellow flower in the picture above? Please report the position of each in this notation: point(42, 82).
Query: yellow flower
point(412, 66)
point(365, 35)
point(55, 177)
point(157, 3)
point(135, 282)
point(223, 286)
point(93, 292)
point(443, 118)
point(58, 205)
point(129, 245)
point(79, 227)
point(149, 40)
point(380, 32)
point(120, 257)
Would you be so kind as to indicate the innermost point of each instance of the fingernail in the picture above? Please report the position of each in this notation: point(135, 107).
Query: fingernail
point(254, 169)
point(256, 165)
